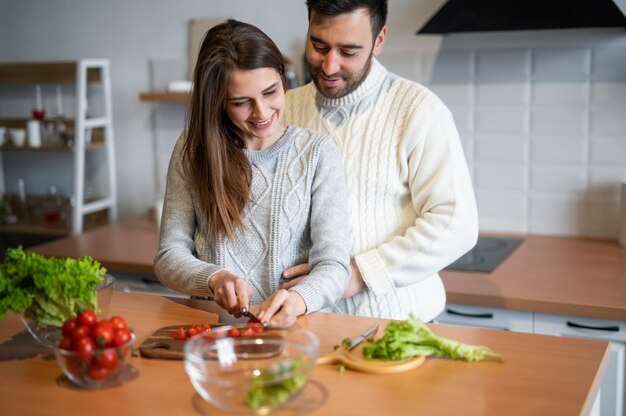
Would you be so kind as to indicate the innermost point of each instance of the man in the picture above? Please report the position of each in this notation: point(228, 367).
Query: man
point(412, 205)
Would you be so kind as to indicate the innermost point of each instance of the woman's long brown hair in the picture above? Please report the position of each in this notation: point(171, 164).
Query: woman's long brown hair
point(213, 156)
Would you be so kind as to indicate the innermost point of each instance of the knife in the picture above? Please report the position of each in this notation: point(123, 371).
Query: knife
point(356, 341)
point(245, 312)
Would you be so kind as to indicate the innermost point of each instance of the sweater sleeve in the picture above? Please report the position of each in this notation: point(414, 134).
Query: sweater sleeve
point(176, 264)
point(329, 257)
point(446, 224)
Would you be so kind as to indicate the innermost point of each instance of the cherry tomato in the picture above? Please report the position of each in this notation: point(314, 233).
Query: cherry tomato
point(180, 333)
point(102, 333)
point(81, 331)
point(68, 327)
point(121, 337)
point(98, 373)
point(66, 343)
point(87, 318)
point(118, 322)
point(247, 332)
point(234, 333)
point(107, 358)
point(74, 366)
point(192, 331)
point(84, 347)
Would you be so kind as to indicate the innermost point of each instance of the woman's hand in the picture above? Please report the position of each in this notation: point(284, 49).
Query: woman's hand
point(282, 308)
point(230, 292)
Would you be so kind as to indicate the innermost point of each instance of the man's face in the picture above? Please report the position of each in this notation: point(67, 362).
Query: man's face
point(339, 51)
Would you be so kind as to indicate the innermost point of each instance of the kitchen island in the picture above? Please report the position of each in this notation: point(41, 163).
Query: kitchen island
point(562, 275)
point(539, 375)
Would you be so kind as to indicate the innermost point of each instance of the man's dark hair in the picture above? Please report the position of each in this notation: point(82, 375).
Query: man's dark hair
point(377, 10)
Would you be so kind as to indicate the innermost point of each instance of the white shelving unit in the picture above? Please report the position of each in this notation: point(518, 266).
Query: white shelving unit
point(82, 73)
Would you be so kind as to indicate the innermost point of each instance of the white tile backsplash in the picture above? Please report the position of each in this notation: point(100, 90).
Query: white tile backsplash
point(558, 179)
point(559, 93)
point(559, 149)
point(500, 148)
point(543, 122)
point(559, 120)
point(500, 177)
point(508, 120)
point(560, 65)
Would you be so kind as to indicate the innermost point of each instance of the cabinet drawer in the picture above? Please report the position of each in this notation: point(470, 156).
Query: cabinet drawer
point(580, 327)
point(482, 317)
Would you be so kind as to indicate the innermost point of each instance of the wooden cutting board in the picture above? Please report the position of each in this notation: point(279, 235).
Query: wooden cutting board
point(162, 344)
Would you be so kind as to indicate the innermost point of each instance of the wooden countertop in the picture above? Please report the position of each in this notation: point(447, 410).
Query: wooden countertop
point(567, 276)
point(540, 375)
point(559, 275)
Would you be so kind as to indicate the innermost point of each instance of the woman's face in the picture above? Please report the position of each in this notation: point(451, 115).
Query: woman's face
point(255, 104)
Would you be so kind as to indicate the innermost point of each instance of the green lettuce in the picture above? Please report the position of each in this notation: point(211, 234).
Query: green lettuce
point(51, 289)
point(412, 337)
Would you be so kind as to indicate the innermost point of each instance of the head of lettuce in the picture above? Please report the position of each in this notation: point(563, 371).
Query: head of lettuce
point(51, 289)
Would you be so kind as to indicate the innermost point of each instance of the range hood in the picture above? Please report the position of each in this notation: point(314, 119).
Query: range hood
point(498, 15)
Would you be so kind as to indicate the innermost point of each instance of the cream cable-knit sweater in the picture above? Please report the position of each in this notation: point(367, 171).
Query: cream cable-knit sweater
point(299, 214)
point(412, 204)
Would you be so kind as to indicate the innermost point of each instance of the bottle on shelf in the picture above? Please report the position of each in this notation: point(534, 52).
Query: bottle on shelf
point(38, 111)
point(58, 131)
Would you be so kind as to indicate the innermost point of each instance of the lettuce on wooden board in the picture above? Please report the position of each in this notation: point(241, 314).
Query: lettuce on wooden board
point(52, 289)
point(412, 337)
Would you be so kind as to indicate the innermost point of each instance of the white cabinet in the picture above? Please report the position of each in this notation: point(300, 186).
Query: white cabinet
point(612, 391)
point(485, 317)
point(93, 133)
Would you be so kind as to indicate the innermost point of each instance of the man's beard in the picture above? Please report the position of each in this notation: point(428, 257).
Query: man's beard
point(352, 82)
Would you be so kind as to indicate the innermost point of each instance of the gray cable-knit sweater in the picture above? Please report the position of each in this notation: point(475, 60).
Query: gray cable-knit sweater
point(298, 214)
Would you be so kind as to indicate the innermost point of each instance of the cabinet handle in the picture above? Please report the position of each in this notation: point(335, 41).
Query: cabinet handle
point(612, 328)
point(485, 315)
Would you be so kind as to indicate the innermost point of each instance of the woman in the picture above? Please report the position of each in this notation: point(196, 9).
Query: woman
point(248, 197)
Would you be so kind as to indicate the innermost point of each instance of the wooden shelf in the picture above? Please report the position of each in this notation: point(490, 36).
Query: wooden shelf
point(165, 96)
point(43, 73)
point(35, 229)
point(68, 149)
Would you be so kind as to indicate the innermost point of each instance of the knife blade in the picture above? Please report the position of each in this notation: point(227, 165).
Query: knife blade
point(356, 341)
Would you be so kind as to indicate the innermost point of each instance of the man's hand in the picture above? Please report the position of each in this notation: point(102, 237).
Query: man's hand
point(282, 308)
point(294, 274)
point(356, 283)
point(230, 292)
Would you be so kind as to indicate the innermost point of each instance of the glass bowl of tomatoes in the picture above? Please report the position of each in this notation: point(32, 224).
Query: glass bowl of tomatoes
point(93, 353)
point(250, 368)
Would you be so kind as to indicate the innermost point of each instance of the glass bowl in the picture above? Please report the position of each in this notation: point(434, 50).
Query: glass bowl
point(245, 371)
point(50, 335)
point(99, 368)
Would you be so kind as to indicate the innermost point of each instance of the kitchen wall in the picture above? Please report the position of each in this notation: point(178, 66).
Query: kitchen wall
point(542, 115)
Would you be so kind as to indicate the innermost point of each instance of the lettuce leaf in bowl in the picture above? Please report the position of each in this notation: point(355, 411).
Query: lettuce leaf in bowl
point(51, 289)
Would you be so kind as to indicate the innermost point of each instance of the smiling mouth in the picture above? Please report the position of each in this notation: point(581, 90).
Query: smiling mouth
point(263, 123)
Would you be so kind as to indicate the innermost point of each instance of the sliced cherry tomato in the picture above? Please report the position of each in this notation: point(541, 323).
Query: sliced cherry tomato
point(180, 333)
point(248, 332)
point(102, 333)
point(192, 331)
point(98, 373)
point(87, 318)
point(107, 358)
point(68, 327)
point(119, 322)
point(234, 333)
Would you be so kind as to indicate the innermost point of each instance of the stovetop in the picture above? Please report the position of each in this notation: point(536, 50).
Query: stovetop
point(486, 255)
